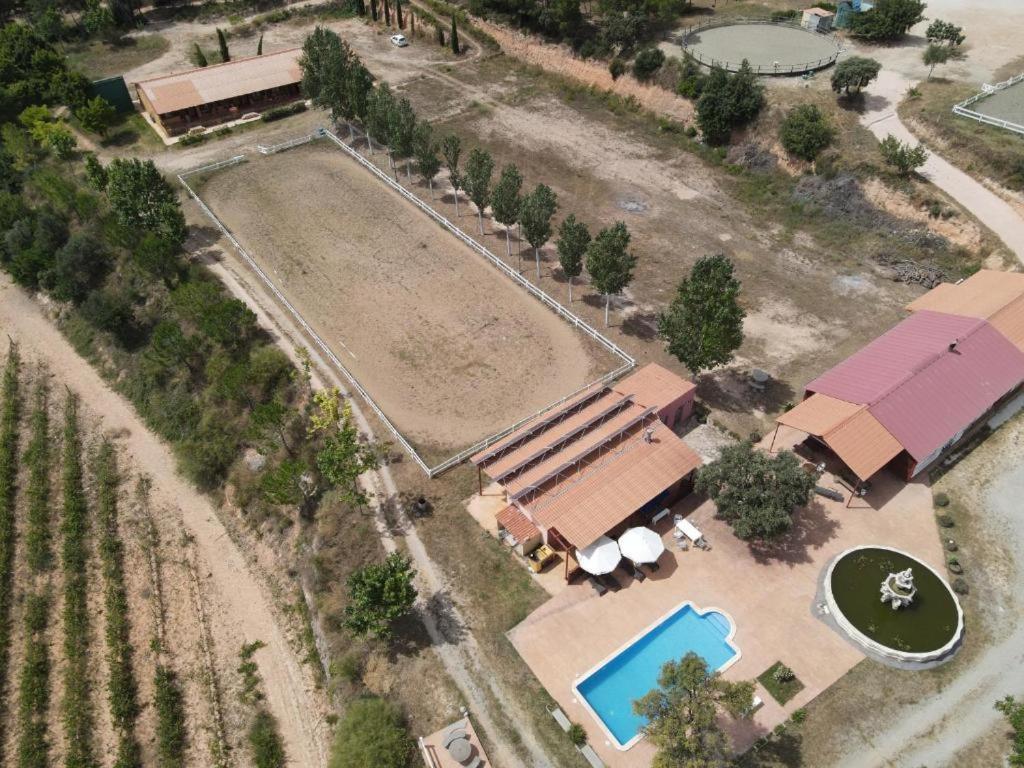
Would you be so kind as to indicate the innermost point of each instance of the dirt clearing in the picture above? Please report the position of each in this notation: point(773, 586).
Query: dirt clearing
point(451, 349)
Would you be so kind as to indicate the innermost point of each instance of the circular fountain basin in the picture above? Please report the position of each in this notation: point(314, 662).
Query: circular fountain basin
point(928, 629)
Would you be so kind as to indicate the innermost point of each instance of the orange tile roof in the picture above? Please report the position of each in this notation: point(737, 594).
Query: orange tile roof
point(850, 430)
point(818, 414)
point(654, 387)
point(513, 520)
point(205, 85)
point(599, 497)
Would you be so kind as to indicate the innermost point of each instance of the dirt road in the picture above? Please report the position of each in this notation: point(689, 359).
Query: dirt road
point(290, 692)
point(932, 732)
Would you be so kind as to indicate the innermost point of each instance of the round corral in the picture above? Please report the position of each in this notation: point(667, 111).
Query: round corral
point(919, 622)
point(771, 48)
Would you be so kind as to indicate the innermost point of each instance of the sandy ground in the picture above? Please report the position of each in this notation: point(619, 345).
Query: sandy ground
point(238, 604)
point(763, 46)
point(991, 483)
point(449, 348)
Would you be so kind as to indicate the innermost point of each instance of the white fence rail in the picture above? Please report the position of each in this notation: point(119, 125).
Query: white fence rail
point(987, 90)
point(551, 303)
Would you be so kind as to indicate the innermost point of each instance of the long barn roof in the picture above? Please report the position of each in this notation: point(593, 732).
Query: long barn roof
point(219, 82)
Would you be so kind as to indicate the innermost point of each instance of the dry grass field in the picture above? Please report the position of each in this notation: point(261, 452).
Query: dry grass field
point(451, 349)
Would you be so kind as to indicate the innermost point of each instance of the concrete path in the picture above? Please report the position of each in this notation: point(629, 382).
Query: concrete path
point(991, 210)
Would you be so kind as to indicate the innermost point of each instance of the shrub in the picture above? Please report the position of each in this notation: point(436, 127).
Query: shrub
point(647, 62)
point(941, 500)
point(349, 668)
point(783, 674)
point(277, 113)
point(945, 521)
point(371, 733)
point(787, 15)
point(191, 139)
point(799, 716)
point(960, 586)
point(805, 132)
point(903, 157)
point(577, 734)
point(691, 131)
point(617, 67)
point(265, 742)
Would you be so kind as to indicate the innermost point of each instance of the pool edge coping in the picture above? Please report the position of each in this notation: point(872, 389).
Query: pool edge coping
point(579, 697)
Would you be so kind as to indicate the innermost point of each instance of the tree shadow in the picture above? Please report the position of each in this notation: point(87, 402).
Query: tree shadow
point(729, 389)
point(410, 635)
point(812, 529)
point(641, 325)
point(777, 750)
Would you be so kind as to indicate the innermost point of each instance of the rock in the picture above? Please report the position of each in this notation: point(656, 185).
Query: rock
point(254, 460)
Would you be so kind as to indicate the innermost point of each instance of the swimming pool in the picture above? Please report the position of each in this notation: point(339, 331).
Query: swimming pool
point(610, 689)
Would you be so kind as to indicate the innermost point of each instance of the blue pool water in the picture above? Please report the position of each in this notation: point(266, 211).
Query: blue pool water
point(611, 690)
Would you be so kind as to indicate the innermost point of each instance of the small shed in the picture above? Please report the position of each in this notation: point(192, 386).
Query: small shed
point(818, 19)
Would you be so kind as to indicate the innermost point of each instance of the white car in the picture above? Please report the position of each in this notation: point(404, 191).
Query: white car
point(399, 40)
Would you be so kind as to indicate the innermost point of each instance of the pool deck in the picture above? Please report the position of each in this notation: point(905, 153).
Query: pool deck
point(768, 592)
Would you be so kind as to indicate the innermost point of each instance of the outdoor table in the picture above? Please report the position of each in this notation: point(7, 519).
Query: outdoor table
point(460, 750)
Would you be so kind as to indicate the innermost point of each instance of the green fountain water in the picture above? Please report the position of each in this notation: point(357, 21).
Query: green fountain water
point(928, 623)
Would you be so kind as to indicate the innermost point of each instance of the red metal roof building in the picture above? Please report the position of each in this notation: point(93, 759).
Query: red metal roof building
point(588, 466)
point(913, 393)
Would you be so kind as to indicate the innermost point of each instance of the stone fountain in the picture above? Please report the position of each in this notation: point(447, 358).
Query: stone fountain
point(898, 589)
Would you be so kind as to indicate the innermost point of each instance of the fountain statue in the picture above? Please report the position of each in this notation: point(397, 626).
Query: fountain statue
point(898, 589)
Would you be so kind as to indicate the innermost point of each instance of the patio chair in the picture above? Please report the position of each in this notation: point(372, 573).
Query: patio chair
point(476, 762)
point(611, 582)
point(638, 574)
point(652, 567)
point(597, 585)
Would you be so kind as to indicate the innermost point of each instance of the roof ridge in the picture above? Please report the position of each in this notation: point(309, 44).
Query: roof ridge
point(209, 67)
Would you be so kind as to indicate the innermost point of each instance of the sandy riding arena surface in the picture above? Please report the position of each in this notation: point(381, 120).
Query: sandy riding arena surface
point(763, 45)
point(451, 349)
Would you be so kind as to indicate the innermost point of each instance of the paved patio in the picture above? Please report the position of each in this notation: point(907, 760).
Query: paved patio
point(768, 591)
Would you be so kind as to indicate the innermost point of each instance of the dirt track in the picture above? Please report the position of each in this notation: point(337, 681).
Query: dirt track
point(241, 607)
point(449, 348)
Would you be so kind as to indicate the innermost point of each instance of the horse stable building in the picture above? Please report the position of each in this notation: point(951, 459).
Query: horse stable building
point(604, 460)
point(221, 93)
point(921, 390)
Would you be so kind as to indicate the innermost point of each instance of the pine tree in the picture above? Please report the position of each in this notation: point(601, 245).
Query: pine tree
point(398, 14)
point(387, 13)
point(440, 36)
point(222, 42)
point(455, 38)
point(198, 57)
point(259, 47)
point(373, 10)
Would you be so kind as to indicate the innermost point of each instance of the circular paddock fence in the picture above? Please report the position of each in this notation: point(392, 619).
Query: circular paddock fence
point(771, 48)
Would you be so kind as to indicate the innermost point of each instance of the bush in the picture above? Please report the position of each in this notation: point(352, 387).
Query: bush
point(277, 113)
point(371, 733)
point(903, 157)
point(788, 15)
point(647, 62)
point(617, 67)
point(805, 132)
point(960, 586)
point(799, 716)
point(783, 674)
point(265, 742)
point(691, 131)
point(191, 139)
point(577, 734)
point(941, 500)
point(945, 521)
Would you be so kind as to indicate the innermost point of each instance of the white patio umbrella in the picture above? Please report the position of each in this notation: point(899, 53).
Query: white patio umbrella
point(641, 545)
point(600, 557)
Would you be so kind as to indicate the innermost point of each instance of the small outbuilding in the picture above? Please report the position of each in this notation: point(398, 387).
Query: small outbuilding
point(221, 93)
point(818, 20)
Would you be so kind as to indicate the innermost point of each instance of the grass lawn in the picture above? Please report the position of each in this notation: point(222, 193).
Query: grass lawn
point(781, 692)
point(979, 149)
point(99, 59)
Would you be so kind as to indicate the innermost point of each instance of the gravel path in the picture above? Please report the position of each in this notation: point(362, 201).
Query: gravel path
point(931, 733)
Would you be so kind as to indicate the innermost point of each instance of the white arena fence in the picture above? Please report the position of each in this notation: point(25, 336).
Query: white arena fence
point(577, 322)
point(986, 91)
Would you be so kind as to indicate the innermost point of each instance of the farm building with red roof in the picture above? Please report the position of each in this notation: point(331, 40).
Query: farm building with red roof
point(918, 391)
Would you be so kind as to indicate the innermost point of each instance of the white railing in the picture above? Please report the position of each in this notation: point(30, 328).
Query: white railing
point(986, 91)
point(628, 361)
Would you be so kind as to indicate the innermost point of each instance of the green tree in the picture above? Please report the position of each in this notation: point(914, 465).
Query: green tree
point(95, 173)
point(345, 456)
point(222, 45)
point(888, 20)
point(934, 55)
point(1013, 711)
point(940, 31)
point(78, 267)
point(142, 198)
point(402, 133)
point(380, 594)
point(58, 139)
point(379, 109)
point(372, 732)
point(96, 115)
point(259, 45)
point(454, 37)
point(439, 33)
point(283, 484)
point(573, 241)
point(755, 492)
point(805, 131)
point(198, 57)
point(99, 21)
point(903, 157)
point(269, 426)
point(451, 148)
point(535, 212)
point(479, 170)
point(398, 14)
point(609, 264)
point(727, 102)
point(505, 201)
point(647, 62)
point(703, 325)
point(425, 151)
point(682, 714)
point(855, 72)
